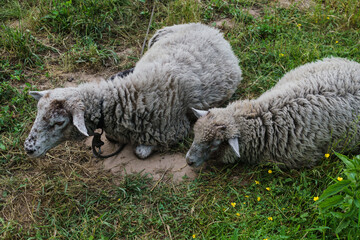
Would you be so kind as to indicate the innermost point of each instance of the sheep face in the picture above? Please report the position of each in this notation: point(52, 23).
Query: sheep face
point(60, 117)
point(210, 131)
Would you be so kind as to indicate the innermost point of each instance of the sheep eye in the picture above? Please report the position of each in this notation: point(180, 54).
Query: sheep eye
point(59, 123)
point(216, 143)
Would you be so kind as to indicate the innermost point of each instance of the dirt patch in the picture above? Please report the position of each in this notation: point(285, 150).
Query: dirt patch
point(225, 23)
point(74, 79)
point(302, 4)
point(255, 12)
point(158, 165)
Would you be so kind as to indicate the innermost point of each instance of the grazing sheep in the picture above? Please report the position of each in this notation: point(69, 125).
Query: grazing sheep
point(187, 66)
point(293, 124)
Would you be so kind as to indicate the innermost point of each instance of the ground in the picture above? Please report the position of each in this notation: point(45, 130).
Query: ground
point(69, 194)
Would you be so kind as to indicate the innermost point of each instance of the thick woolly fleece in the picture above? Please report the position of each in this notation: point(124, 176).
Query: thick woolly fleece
point(294, 124)
point(187, 66)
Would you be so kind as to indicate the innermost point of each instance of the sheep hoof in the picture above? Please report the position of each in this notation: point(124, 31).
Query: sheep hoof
point(143, 151)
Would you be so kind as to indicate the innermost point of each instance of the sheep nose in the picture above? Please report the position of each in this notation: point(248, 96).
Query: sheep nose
point(29, 151)
point(189, 162)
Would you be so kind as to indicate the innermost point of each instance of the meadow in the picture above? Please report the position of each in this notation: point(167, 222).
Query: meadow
point(67, 196)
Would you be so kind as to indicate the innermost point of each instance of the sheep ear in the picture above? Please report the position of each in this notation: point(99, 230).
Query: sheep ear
point(234, 143)
point(199, 113)
point(37, 95)
point(79, 121)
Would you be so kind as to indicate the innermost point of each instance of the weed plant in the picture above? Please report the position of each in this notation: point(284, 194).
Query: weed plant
point(67, 196)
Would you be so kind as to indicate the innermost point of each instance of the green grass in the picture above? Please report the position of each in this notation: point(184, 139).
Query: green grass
point(67, 196)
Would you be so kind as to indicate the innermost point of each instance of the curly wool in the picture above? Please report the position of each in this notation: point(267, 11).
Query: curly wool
point(186, 66)
point(294, 123)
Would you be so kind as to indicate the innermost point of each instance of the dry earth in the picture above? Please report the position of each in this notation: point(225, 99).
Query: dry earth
point(158, 165)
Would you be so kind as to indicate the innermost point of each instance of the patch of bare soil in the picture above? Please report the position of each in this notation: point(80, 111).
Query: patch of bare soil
point(302, 4)
point(225, 23)
point(157, 165)
point(255, 12)
point(74, 79)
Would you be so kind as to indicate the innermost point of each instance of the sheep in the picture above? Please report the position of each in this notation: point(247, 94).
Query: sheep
point(310, 109)
point(186, 66)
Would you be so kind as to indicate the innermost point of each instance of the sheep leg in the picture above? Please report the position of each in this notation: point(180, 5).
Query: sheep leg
point(143, 151)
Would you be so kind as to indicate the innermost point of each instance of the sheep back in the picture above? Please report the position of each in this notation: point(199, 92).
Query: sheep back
point(312, 108)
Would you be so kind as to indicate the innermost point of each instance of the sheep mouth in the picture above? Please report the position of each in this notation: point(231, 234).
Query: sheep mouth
point(37, 154)
point(194, 164)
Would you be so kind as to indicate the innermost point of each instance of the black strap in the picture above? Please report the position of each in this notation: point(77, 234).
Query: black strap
point(98, 143)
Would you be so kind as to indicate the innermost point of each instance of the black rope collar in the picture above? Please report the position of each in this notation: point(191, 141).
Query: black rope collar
point(97, 142)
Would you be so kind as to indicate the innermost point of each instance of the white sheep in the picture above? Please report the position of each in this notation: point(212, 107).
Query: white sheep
point(186, 66)
point(293, 124)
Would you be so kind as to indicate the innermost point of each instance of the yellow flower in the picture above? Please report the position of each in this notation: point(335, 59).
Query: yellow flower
point(119, 199)
point(339, 179)
point(316, 198)
point(336, 41)
point(328, 18)
point(258, 198)
point(265, 239)
point(194, 236)
point(268, 188)
point(281, 55)
point(270, 171)
point(299, 25)
point(233, 204)
point(237, 214)
point(244, 202)
point(327, 155)
point(257, 182)
point(246, 196)
point(270, 218)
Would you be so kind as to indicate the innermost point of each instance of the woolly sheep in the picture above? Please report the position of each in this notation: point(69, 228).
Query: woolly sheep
point(186, 66)
point(293, 124)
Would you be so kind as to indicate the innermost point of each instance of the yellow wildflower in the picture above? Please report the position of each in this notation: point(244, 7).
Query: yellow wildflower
point(327, 155)
point(328, 18)
point(244, 202)
point(194, 236)
point(268, 188)
point(299, 25)
point(246, 196)
point(258, 198)
point(339, 179)
point(281, 55)
point(257, 182)
point(119, 199)
point(336, 41)
point(316, 198)
point(270, 171)
point(233, 204)
point(237, 214)
point(270, 218)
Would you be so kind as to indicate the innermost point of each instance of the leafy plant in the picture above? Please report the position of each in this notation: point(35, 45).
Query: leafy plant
point(340, 203)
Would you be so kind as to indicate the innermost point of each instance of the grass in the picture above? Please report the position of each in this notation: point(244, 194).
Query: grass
point(68, 196)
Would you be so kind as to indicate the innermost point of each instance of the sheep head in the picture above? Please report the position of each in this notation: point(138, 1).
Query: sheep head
point(60, 117)
point(211, 130)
